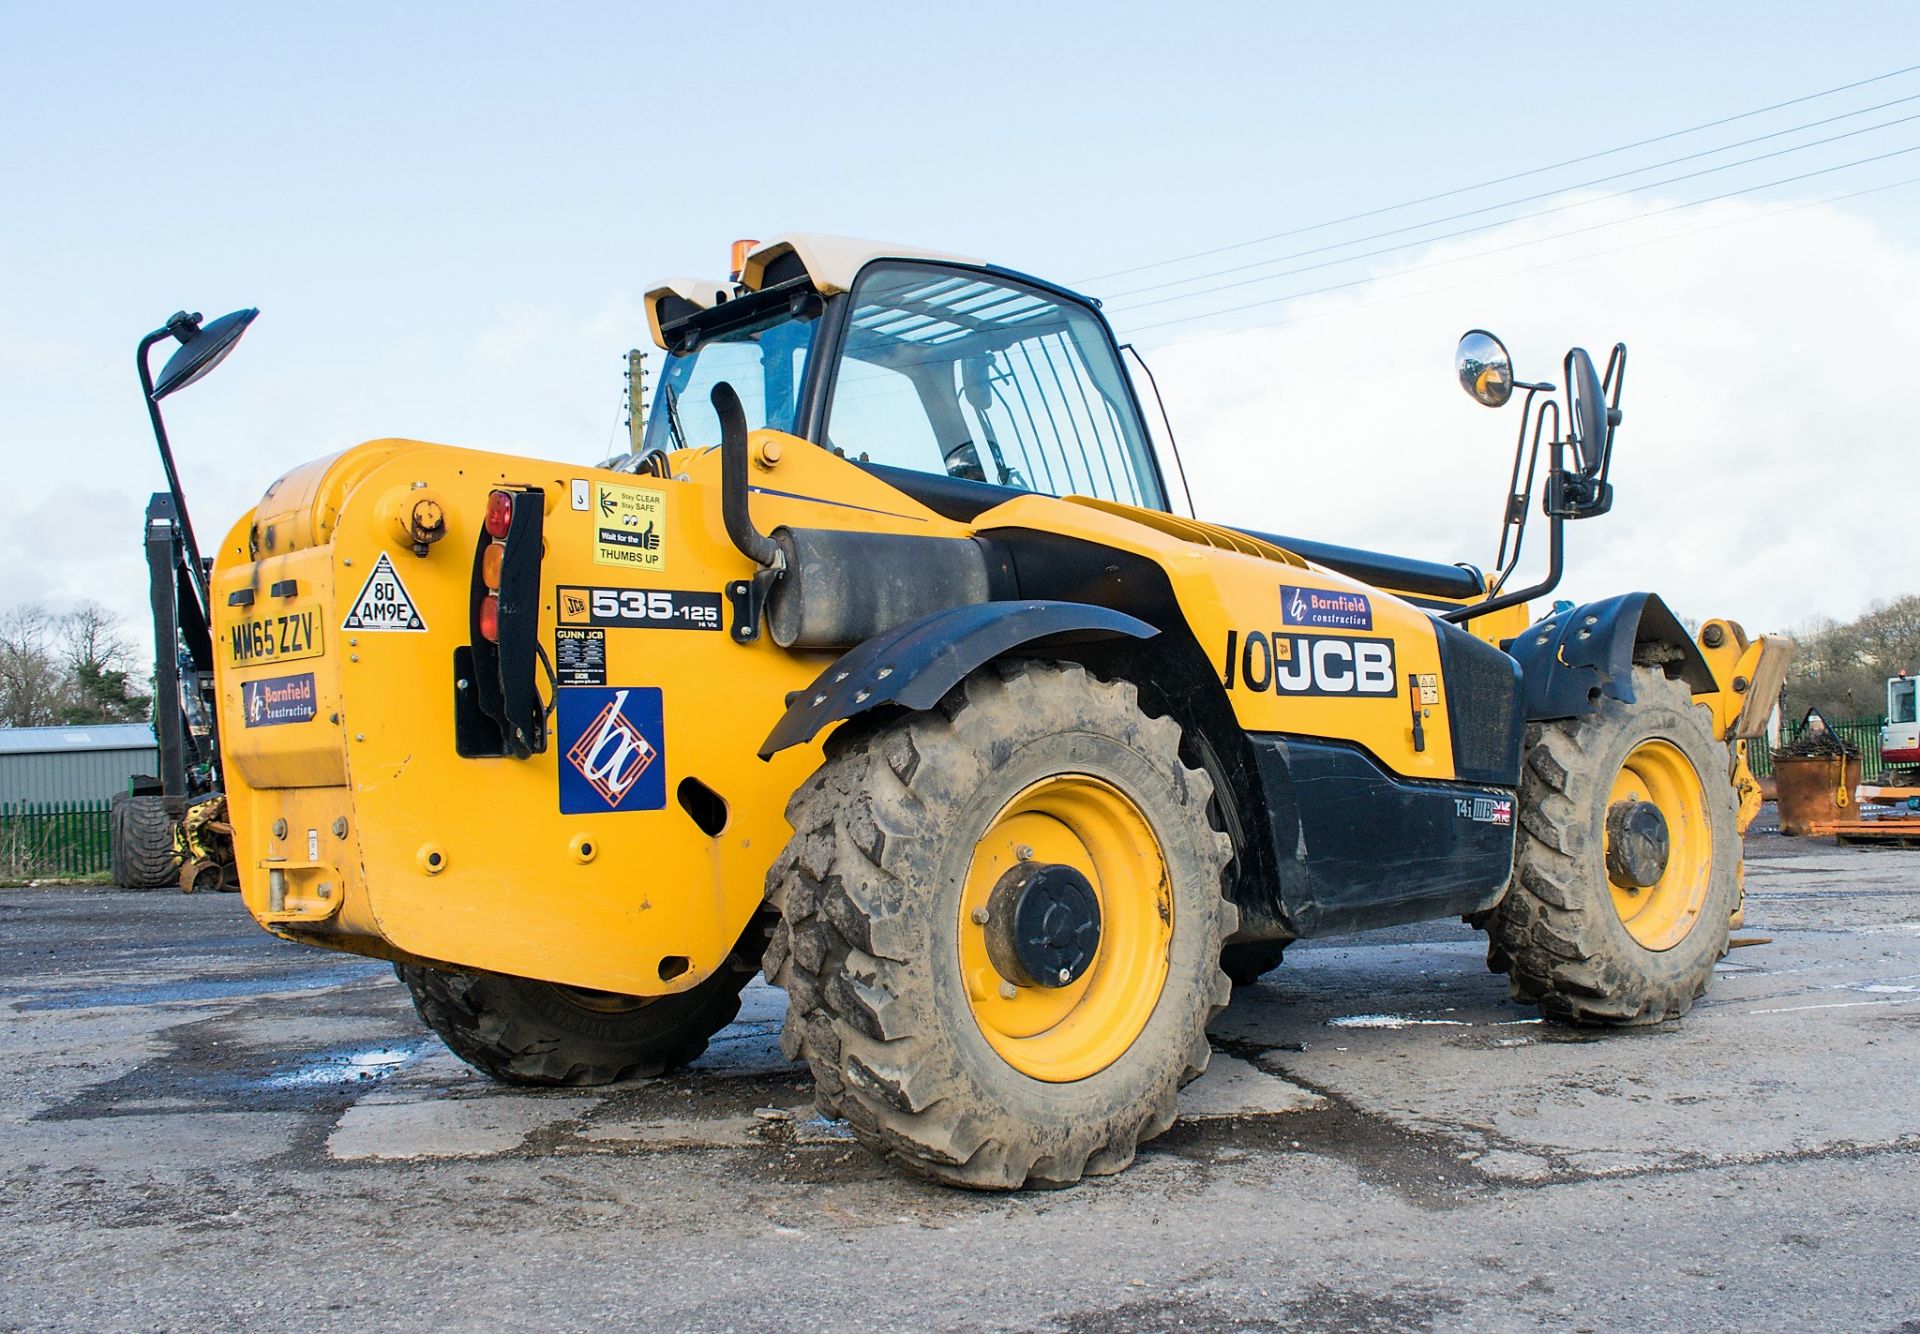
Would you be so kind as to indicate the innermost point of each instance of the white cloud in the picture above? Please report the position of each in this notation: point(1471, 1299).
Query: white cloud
point(1764, 467)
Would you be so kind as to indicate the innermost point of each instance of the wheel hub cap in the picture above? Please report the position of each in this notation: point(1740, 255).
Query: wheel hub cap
point(1043, 925)
point(1637, 843)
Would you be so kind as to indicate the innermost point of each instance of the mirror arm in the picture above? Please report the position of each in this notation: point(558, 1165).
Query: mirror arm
point(1508, 520)
point(196, 571)
point(1616, 377)
point(1506, 563)
point(1556, 551)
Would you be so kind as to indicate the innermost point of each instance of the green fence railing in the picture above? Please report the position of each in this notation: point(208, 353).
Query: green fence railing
point(55, 838)
point(1861, 733)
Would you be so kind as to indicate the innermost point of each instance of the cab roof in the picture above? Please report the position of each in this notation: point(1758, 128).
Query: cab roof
point(828, 262)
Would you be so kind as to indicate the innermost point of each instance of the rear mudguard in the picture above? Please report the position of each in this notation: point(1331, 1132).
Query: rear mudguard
point(914, 665)
point(1570, 661)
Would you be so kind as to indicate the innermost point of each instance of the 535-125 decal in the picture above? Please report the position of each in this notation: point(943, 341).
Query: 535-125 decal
point(639, 608)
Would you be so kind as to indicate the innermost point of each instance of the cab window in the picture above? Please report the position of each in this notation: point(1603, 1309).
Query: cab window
point(985, 378)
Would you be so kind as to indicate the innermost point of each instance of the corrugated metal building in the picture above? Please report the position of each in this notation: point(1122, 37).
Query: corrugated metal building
point(88, 763)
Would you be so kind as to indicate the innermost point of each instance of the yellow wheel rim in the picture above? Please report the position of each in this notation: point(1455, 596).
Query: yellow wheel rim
point(1059, 1034)
point(1660, 915)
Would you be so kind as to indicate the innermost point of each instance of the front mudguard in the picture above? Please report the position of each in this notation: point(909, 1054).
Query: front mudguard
point(1572, 660)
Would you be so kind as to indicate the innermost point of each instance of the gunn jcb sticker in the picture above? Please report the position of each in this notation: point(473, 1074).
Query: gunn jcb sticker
point(1309, 665)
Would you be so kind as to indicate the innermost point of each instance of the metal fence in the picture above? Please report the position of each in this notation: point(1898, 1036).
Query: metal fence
point(1861, 733)
point(54, 838)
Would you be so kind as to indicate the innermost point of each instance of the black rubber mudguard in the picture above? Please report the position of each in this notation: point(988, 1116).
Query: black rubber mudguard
point(916, 664)
point(1571, 660)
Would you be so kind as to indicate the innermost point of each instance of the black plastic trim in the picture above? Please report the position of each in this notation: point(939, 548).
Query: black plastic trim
point(915, 665)
point(1356, 848)
point(1394, 573)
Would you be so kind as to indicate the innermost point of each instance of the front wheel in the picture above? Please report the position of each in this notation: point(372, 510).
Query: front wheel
point(1626, 866)
point(1000, 929)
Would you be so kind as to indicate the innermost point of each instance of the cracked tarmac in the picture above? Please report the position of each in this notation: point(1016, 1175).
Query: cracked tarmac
point(201, 1126)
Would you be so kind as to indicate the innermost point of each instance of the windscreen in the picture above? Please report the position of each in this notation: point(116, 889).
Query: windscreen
point(1900, 701)
point(765, 360)
point(989, 379)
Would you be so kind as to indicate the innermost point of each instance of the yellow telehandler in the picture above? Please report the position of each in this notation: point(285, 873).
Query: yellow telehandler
point(895, 664)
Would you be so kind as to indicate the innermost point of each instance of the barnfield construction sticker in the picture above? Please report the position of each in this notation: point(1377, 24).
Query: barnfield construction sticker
point(384, 603)
point(629, 526)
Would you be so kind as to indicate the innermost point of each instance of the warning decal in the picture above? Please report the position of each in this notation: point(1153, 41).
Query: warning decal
point(383, 603)
point(629, 526)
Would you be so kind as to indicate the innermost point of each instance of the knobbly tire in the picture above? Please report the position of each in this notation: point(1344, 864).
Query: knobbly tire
point(1577, 934)
point(911, 1034)
point(523, 1031)
point(141, 843)
point(1247, 961)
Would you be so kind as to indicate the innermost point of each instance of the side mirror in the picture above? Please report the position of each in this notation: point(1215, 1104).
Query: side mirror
point(201, 348)
point(1484, 368)
point(1590, 415)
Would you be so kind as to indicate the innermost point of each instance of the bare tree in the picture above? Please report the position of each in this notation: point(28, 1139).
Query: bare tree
point(32, 681)
point(77, 667)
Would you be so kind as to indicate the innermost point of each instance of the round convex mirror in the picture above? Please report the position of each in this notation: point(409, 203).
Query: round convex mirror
point(1485, 369)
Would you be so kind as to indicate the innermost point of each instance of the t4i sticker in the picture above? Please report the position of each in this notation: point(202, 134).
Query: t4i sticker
point(612, 750)
point(384, 603)
point(278, 699)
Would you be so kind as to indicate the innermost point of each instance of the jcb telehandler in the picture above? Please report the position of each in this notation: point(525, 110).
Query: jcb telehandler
point(894, 665)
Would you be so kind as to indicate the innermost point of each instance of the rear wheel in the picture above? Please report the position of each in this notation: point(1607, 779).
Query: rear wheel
point(523, 1031)
point(1000, 930)
point(142, 850)
point(1626, 869)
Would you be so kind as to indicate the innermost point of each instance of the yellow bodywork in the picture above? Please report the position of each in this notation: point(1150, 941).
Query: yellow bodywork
point(360, 828)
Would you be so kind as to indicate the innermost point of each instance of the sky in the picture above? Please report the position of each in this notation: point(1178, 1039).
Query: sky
point(448, 215)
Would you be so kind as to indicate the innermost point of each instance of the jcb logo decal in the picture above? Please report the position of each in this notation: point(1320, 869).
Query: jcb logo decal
point(1309, 665)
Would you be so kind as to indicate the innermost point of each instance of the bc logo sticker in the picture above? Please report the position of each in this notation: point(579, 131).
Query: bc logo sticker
point(1323, 610)
point(613, 756)
point(278, 699)
point(629, 526)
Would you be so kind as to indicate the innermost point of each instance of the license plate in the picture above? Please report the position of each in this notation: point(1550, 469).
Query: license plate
point(284, 636)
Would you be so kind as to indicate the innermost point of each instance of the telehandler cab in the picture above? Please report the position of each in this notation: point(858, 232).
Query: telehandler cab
point(894, 665)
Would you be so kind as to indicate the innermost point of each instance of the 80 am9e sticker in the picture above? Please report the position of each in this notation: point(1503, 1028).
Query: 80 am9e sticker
point(629, 526)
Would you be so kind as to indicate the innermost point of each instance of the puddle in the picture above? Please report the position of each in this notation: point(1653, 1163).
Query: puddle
point(351, 1067)
point(331, 974)
point(1390, 1021)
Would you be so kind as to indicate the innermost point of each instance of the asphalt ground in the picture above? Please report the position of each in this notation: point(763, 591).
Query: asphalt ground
point(204, 1128)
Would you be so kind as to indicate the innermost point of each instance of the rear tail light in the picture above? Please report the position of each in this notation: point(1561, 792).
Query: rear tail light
point(499, 514)
point(493, 558)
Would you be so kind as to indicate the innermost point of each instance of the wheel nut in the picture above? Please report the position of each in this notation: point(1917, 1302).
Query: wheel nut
point(1065, 975)
point(1008, 991)
point(980, 916)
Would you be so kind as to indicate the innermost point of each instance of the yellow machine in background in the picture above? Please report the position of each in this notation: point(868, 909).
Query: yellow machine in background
point(888, 658)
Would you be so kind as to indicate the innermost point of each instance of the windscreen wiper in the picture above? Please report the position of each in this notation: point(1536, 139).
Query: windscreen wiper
point(673, 417)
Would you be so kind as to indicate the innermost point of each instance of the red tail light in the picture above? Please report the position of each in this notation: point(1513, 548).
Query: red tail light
point(490, 618)
point(499, 513)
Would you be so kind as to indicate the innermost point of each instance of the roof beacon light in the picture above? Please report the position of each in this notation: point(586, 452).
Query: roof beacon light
point(741, 249)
